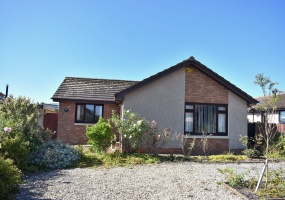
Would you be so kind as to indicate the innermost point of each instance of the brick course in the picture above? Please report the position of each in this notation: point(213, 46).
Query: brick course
point(200, 88)
point(215, 146)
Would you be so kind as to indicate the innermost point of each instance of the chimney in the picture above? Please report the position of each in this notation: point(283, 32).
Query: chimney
point(7, 88)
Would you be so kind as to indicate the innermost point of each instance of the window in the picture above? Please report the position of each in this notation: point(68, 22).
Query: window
point(282, 117)
point(88, 113)
point(209, 118)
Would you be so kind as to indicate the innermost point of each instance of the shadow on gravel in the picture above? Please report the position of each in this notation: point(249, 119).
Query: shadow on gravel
point(35, 185)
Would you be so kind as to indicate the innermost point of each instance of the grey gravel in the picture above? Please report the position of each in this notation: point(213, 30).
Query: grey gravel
point(186, 180)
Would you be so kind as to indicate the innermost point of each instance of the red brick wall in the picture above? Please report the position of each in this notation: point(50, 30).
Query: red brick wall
point(215, 146)
point(70, 133)
point(200, 88)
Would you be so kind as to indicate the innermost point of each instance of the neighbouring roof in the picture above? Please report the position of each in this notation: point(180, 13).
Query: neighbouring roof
point(280, 105)
point(88, 89)
point(51, 107)
point(190, 61)
point(2, 97)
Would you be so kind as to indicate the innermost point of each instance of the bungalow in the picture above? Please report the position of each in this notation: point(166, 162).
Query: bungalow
point(187, 97)
point(277, 117)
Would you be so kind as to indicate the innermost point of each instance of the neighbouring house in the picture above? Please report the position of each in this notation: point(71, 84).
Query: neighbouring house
point(277, 117)
point(2, 97)
point(187, 97)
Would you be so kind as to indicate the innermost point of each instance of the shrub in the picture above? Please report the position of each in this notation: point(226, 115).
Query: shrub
point(251, 153)
point(14, 146)
point(130, 129)
point(137, 132)
point(279, 144)
point(55, 155)
point(22, 115)
point(234, 180)
point(226, 158)
point(153, 138)
point(100, 135)
point(10, 179)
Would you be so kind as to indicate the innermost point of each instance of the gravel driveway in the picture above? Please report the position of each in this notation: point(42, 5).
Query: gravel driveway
point(187, 180)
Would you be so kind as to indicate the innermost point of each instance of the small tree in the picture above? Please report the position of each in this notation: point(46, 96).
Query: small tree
point(267, 107)
point(100, 135)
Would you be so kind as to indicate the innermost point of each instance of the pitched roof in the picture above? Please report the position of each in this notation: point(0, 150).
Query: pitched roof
point(190, 61)
point(50, 107)
point(280, 105)
point(88, 89)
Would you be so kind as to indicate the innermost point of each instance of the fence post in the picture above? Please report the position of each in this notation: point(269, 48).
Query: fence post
point(261, 176)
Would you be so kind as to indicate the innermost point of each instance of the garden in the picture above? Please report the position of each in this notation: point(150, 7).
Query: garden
point(26, 148)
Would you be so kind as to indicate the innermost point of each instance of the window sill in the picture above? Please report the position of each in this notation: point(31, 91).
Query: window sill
point(83, 124)
point(209, 136)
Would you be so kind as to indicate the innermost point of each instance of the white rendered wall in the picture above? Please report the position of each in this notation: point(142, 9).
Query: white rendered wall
point(163, 101)
point(237, 121)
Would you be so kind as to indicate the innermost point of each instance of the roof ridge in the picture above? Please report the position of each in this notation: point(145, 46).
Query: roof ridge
point(69, 77)
point(191, 60)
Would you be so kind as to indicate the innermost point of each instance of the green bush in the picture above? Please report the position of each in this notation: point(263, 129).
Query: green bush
point(10, 178)
point(23, 135)
point(226, 158)
point(234, 180)
point(100, 135)
point(55, 155)
point(280, 143)
point(137, 132)
point(251, 153)
point(14, 146)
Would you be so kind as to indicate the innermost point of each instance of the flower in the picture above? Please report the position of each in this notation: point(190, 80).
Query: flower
point(8, 129)
point(130, 136)
point(154, 122)
point(158, 137)
point(125, 135)
point(182, 136)
point(139, 122)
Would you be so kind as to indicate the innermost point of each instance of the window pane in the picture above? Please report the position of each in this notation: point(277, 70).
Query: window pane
point(189, 107)
point(99, 112)
point(89, 113)
point(222, 123)
point(189, 122)
point(282, 117)
point(80, 113)
point(222, 108)
point(205, 119)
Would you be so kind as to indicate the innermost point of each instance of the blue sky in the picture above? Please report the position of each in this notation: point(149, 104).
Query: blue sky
point(43, 41)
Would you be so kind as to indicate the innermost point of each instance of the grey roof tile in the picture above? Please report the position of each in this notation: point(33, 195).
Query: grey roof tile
point(280, 105)
point(90, 89)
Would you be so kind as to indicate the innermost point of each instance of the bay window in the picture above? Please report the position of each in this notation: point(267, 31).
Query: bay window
point(207, 118)
point(88, 113)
